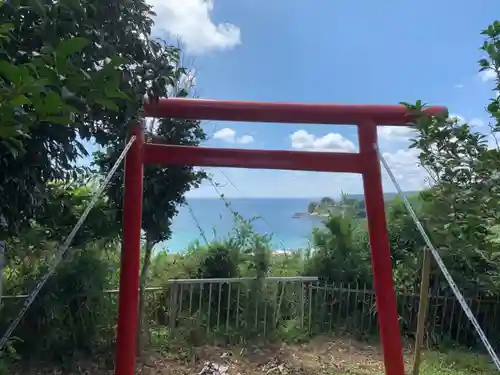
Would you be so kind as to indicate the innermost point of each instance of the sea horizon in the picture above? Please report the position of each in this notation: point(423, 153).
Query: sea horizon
point(271, 216)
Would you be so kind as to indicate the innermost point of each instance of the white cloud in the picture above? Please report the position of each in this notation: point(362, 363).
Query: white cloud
point(487, 75)
point(302, 140)
point(245, 139)
point(396, 133)
point(225, 134)
point(404, 164)
point(190, 20)
point(229, 135)
point(477, 122)
point(473, 122)
point(459, 86)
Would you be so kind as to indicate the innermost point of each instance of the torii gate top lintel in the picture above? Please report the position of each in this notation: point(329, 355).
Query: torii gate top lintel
point(283, 112)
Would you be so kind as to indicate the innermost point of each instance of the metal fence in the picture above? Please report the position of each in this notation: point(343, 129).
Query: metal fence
point(232, 310)
point(243, 309)
point(236, 309)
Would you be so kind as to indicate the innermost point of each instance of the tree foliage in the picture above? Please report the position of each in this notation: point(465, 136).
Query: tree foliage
point(69, 71)
point(70, 310)
point(34, 249)
point(164, 187)
point(463, 164)
point(341, 245)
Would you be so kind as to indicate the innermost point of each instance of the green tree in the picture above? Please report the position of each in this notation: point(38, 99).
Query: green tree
point(41, 77)
point(71, 307)
point(341, 252)
point(406, 243)
point(465, 183)
point(69, 71)
point(164, 187)
point(28, 252)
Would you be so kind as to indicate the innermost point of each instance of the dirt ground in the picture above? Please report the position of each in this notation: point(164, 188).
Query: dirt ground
point(321, 356)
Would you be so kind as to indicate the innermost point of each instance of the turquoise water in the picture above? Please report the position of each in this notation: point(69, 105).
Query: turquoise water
point(276, 218)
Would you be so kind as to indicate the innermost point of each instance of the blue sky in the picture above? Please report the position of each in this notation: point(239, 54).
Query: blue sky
point(328, 51)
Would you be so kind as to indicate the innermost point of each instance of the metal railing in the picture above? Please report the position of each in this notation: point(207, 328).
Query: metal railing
point(233, 309)
point(236, 310)
point(243, 309)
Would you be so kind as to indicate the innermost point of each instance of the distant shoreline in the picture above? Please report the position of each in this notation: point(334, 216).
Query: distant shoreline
point(358, 196)
point(298, 215)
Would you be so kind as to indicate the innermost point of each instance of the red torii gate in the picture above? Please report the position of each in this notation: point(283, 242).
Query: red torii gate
point(366, 162)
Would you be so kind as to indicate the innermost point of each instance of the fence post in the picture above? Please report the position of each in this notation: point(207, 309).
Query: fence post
point(310, 306)
point(2, 265)
point(422, 309)
point(301, 296)
point(172, 309)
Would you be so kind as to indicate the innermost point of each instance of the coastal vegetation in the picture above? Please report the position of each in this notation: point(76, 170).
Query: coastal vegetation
point(73, 72)
point(348, 204)
point(327, 206)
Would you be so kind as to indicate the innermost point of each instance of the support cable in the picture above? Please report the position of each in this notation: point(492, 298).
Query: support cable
point(63, 248)
point(197, 223)
point(214, 184)
point(441, 264)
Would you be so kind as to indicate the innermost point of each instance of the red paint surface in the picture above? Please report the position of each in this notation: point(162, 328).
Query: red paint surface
point(128, 296)
point(380, 252)
point(298, 113)
point(256, 159)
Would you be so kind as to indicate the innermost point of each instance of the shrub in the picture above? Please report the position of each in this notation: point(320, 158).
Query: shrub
point(71, 313)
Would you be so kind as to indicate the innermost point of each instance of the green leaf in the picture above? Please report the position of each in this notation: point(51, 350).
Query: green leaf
point(52, 102)
point(58, 120)
point(46, 50)
point(39, 8)
point(5, 28)
point(11, 72)
point(66, 93)
point(117, 94)
point(107, 104)
point(85, 74)
point(20, 99)
point(116, 61)
point(8, 131)
point(71, 46)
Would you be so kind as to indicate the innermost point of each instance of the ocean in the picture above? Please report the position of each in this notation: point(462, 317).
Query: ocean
point(274, 216)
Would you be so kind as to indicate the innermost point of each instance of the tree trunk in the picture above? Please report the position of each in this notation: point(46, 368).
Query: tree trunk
point(142, 324)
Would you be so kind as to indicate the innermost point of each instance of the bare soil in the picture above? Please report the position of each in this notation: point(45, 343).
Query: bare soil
point(321, 356)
